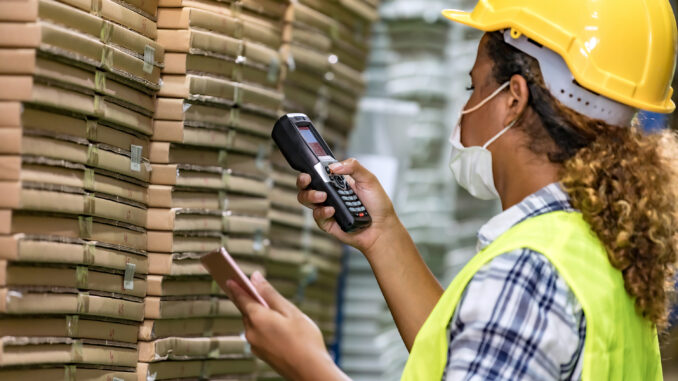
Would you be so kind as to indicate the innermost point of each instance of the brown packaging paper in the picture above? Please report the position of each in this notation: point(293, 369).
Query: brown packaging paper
point(76, 150)
point(34, 351)
point(14, 275)
point(65, 373)
point(170, 109)
point(159, 308)
point(28, 89)
point(182, 348)
point(190, 327)
point(239, 25)
point(220, 91)
point(162, 196)
point(14, 115)
point(89, 228)
point(194, 369)
point(13, 302)
point(69, 201)
point(47, 69)
point(40, 170)
point(170, 285)
point(176, 265)
point(72, 326)
point(20, 248)
point(60, 41)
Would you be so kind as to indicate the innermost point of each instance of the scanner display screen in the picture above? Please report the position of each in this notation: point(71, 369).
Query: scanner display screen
point(312, 142)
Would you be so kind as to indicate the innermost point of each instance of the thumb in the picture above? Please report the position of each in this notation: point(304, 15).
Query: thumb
point(276, 301)
point(353, 168)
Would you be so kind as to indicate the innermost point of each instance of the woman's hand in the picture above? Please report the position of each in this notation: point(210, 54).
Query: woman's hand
point(282, 335)
point(369, 191)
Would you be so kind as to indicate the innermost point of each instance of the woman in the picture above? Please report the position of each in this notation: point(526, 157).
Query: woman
point(570, 281)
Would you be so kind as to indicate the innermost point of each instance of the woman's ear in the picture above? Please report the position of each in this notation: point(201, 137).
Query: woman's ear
point(518, 98)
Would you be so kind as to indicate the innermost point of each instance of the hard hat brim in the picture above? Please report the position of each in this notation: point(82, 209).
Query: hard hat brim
point(462, 17)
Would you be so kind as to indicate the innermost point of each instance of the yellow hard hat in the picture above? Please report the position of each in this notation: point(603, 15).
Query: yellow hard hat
point(622, 49)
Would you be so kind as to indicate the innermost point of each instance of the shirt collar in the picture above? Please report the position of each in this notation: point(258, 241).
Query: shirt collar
point(548, 199)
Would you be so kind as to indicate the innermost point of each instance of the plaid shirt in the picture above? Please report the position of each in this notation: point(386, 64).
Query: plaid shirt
point(517, 319)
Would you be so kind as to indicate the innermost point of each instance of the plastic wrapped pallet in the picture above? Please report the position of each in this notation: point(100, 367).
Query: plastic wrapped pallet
point(79, 78)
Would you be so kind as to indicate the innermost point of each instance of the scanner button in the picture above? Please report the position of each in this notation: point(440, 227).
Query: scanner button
point(361, 209)
point(345, 198)
point(352, 210)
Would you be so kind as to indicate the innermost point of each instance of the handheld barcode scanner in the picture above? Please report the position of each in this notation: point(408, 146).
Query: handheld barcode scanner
point(306, 151)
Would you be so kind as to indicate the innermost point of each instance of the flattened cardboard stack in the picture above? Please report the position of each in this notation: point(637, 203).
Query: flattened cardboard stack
point(76, 111)
point(304, 263)
point(210, 181)
point(111, 194)
point(326, 46)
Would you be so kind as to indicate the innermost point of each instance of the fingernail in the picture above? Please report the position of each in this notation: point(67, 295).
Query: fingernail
point(335, 167)
point(321, 196)
point(257, 277)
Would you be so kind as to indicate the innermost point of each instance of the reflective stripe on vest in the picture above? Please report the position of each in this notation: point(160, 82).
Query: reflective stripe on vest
point(620, 344)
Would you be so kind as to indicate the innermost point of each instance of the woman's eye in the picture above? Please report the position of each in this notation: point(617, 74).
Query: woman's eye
point(470, 88)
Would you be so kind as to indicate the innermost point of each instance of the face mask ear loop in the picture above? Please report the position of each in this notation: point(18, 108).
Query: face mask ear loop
point(502, 132)
point(481, 104)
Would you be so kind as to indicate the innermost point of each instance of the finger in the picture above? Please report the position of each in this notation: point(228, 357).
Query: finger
point(276, 301)
point(352, 167)
point(323, 217)
point(303, 181)
point(311, 197)
point(245, 303)
point(350, 180)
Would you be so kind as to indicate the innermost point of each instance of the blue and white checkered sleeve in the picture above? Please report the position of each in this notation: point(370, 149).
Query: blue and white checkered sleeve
point(517, 320)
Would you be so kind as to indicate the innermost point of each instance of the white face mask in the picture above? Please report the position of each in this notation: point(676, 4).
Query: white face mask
point(472, 166)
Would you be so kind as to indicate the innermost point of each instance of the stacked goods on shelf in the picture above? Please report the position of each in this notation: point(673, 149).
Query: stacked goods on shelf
point(371, 346)
point(326, 47)
point(210, 181)
point(420, 58)
point(304, 262)
point(76, 111)
point(286, 267)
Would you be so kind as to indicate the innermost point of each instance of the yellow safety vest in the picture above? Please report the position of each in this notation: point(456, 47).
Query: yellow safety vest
point(620, 344)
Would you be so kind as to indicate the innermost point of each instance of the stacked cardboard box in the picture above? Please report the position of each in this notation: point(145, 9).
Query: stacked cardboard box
point(111, 194)
point(76, 111)
point(210, 180)
point(304, 262)
point(326, 46)
point(423, 59)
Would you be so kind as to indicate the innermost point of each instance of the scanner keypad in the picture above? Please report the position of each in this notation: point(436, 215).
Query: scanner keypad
point(348, 196)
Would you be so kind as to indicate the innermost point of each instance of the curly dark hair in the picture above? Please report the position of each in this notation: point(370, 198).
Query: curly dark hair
point(624, 181)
